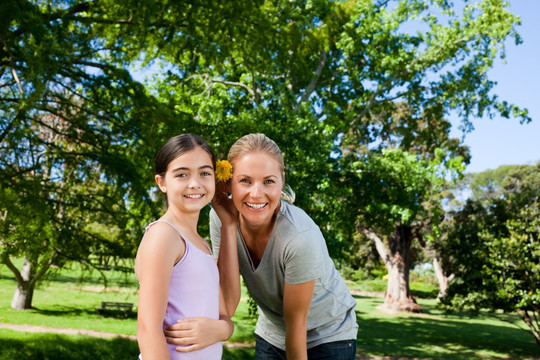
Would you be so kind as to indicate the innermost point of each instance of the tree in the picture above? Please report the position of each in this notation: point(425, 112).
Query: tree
point(331, 81)
point(493, 249)
point(69, 120)
point(399, 197)
point(325, 76)
point(431, 72)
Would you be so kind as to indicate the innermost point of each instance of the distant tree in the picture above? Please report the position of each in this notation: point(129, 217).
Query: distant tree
point(493, 249)
point(399, 197)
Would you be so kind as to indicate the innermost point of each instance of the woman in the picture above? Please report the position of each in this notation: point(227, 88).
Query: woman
point(305, 309)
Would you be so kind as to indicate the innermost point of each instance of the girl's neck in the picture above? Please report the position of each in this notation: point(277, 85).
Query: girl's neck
point(185, 221)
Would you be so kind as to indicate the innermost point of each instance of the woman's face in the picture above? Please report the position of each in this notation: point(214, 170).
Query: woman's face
point(256, 187)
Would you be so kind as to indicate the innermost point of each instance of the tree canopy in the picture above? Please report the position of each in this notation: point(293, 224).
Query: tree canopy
point(334, 83)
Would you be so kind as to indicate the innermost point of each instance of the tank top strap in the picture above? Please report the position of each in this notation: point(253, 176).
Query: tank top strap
point(179, 232)
point(172, 225)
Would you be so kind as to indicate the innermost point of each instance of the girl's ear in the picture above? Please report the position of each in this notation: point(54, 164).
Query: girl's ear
point(161, 183)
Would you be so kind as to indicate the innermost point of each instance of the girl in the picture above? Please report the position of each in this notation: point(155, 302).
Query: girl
point(177, 273)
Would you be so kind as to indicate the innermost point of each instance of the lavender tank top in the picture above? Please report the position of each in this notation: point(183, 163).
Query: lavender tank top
point(193, 292)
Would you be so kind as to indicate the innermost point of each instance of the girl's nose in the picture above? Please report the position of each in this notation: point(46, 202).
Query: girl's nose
point(194, 183)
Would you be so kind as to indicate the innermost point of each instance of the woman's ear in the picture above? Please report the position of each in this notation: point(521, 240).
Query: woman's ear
point(161, 183)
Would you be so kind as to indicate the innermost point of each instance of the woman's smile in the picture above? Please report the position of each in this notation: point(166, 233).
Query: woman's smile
point(256, 206)
point(256, 187)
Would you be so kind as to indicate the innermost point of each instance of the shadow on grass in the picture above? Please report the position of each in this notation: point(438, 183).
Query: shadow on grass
point(451, 338)
point(57, 277)
point(72, 311)
point(238, 354)
point(61, 347)
point(16, 345)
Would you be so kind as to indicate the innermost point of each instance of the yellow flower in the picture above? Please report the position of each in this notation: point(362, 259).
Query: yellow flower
point(223, 170)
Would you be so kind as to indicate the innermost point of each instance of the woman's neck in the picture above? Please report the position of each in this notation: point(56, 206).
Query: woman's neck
point(260, 230)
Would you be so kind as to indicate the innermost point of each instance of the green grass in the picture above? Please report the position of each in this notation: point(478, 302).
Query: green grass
point(437, 334)
point(68, 299)
point(17, 345)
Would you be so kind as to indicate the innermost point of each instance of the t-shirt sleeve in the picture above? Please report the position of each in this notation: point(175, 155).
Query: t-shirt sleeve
point(215, 232)
point(304, 260)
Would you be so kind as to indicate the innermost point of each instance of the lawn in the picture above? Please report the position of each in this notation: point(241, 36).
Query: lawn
point(68, 299)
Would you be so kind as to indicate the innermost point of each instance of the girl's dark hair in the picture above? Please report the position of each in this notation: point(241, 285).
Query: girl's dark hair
point(178, 145)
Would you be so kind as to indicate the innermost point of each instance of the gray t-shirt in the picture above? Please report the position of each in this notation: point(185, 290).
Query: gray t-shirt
point(296, 253)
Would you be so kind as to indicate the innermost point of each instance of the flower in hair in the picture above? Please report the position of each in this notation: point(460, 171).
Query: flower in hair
point(224, 170)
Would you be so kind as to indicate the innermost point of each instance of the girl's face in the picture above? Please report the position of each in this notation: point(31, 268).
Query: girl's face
point(256, 187)
point(189, 181)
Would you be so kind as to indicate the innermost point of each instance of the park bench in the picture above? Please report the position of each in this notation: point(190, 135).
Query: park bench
point(110, 306)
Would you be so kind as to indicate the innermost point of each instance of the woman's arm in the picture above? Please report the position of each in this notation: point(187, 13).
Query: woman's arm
point(229, 272)
point(155, 259)
point(201, 332)
point(228, 253)
point(296, 303)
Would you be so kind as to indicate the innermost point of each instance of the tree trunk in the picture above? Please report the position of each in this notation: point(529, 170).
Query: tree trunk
point(396, 258)
point(524, 314)
point(26, 280)
point(22, 299)
point(442, 279)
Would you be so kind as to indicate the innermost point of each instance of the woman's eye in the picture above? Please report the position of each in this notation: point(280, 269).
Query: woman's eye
point(206, 173)
point(179, 175)
point(269, 182)
point(245, 181)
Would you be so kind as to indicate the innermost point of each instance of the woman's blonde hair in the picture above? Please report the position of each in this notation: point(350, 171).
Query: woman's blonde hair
point(261, 143)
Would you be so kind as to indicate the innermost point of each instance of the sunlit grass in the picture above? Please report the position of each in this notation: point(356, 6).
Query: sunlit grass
point(69, 297)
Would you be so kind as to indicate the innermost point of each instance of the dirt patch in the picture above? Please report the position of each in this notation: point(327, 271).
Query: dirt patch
point(94, 333)
point(67, 331)
point(366, 293)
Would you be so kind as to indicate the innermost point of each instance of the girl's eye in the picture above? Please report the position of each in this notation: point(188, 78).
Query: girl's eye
point(245, 181)
point(206, 173)
point(269, 182)
point(179, 175)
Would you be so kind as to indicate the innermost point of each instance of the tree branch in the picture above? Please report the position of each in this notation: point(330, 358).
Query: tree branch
point(313, 83)
point(12, 64)
point(231, 83)
point(6, 260)
point(379, 244)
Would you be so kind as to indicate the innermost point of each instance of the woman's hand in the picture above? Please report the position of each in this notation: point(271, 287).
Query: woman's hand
point(224, 206)
point(197, 333)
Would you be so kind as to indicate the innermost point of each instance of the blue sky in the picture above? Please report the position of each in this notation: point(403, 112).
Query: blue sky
point(501, 141)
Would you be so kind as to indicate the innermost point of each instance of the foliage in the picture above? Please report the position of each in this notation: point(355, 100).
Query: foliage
point(334, 83)
point(494, 250)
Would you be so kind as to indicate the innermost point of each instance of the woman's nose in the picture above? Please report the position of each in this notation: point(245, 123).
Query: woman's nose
point(256, 190)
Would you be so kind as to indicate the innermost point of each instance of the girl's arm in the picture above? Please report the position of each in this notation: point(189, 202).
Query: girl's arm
point(156, 256)
point(296, 302)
